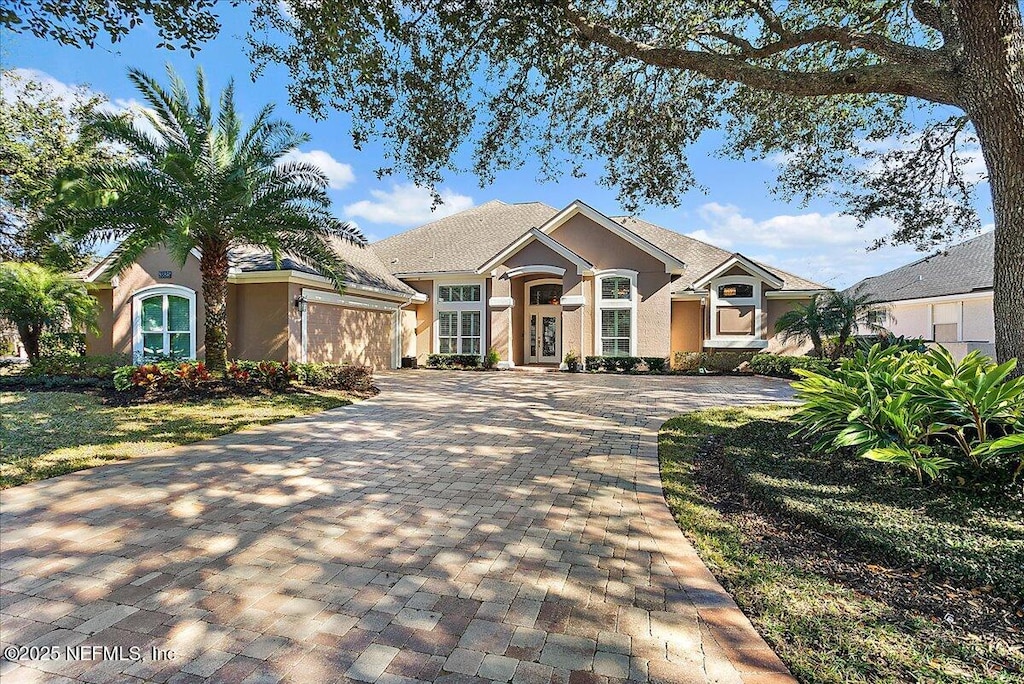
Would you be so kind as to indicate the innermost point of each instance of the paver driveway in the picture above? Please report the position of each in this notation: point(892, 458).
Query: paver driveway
point(459, 527)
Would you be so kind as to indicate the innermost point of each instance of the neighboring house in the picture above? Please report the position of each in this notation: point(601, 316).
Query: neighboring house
point(945, 297)
point(529, 280)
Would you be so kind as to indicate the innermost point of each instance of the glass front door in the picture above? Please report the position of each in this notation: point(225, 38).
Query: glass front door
point(543, 335)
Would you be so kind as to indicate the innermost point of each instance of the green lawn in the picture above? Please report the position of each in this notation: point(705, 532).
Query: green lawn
point(44, 434)
point(851, 573)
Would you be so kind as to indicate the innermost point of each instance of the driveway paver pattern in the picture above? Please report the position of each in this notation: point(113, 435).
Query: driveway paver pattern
point(460, 527)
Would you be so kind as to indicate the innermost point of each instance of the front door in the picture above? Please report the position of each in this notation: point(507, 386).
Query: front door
point(544, 334)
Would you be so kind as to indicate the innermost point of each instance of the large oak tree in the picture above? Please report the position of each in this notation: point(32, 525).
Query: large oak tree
point(873, 101)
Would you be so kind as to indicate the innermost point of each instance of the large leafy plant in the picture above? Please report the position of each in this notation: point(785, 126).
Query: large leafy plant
point(923, 411)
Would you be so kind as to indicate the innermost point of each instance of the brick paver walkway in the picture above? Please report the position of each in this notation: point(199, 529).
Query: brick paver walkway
point(460, 527)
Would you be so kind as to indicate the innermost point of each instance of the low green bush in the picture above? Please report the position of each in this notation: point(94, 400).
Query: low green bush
point(61, 344)
point(779, 366)
point(492, 358)
point(453, 361)
point(715, 360)
point(73, 366)
point(921, 411)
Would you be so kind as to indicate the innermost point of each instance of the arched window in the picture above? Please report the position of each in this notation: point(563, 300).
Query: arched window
point(616, 303)
point(164, 322)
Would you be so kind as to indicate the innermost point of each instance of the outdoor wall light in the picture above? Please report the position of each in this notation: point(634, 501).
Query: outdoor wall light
point(301, 303)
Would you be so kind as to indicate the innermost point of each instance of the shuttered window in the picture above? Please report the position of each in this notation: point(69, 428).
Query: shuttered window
point(616, 328)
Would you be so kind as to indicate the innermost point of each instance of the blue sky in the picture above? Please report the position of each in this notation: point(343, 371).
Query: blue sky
point(737, 212)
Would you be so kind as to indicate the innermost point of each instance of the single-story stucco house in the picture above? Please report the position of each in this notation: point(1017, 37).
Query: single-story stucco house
point(945, 297)
point(529, 280)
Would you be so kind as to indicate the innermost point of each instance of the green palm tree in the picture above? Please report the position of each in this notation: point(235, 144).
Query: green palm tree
point(805, 322)
point(199, 180)
point(852, 313)
point(36, 299)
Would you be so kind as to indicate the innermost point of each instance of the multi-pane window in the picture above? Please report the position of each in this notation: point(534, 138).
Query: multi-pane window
point(458, 332)
point(616, 328)
point(615, 287)
point(736, 291)
point(448, 332)
point(458, 293)
point(166, 326)
point(469, 332)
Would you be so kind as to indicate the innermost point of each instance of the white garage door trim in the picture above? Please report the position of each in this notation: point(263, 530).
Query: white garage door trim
point(352, 302)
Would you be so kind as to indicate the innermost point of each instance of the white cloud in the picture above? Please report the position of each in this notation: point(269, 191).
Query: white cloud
point(407, 204)
point(339, 174)
point(827, 248)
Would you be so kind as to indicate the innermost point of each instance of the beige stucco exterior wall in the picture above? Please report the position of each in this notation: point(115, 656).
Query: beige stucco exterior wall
point(260, 313)
point(101, 341)
point(606, 250)
point(773, 311)
point(424, 330)
point(979, 320)
point(116, 333)
point(408, 323)
point(518, 290)
point(687, 331)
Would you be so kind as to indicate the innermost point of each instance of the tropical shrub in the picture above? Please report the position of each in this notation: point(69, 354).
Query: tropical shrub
point(190, 376)
point(36, 300)
point(61, 344)
point(572, 361)
point(780, 366)
point(922, 411)
point(828, 321)
point(492, 358)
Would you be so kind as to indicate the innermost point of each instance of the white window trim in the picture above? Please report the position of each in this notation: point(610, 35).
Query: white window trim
point(718, 338)
point(155, 291)
point(602, 304)
point(480, 306)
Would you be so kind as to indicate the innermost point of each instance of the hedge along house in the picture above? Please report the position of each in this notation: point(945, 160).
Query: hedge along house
point(529, 280)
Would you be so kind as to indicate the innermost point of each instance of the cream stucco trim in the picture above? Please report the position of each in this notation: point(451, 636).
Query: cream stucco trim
point(736, 343)
point(718, 302)
point(794, 294)
point(536, 269)
point(479, 306)
point(602, 304)
point(160, 291)
point(572, 300)
point(744, 263)
point(500, 302)
point(314, 280)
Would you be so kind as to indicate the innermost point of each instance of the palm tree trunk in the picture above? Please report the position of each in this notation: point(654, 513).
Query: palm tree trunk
point(29, 335)
point(214, 268)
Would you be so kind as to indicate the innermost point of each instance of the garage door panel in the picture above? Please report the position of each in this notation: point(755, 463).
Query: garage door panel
point(339, 334)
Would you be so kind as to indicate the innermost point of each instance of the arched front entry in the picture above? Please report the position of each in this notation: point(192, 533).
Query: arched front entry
point(543, 322)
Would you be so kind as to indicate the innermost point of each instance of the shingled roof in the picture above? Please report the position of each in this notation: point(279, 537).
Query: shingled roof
point(467, 240)
point(363, 265)
point(963, 268)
